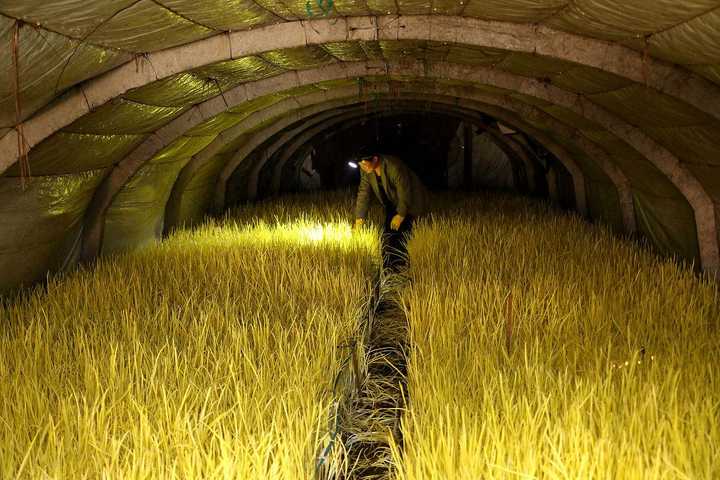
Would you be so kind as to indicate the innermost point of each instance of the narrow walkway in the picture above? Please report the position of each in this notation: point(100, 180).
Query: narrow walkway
point(368, 415)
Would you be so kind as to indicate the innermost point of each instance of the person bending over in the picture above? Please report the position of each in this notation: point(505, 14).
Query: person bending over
point(401, 193)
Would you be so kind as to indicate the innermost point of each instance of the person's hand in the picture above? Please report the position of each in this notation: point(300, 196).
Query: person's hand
point(396, 222)
point(358, 223)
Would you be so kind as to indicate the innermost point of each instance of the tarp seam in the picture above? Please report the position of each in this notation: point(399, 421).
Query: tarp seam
point(687, 20)
point(156, 2)
point(39, 26)
point(261, 7)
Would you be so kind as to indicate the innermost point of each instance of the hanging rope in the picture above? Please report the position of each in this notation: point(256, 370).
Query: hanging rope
point(22, 144)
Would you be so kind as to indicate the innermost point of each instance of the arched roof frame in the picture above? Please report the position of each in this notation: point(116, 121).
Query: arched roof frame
point(540, 40)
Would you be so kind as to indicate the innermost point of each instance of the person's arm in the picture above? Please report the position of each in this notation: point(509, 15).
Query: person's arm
point(363, 198)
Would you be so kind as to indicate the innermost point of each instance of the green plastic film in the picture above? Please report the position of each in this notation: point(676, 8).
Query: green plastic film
point(588, 80)
point(145, 26)
point(471, 55)
point(216, 124)
point(135, 217)
point(183, 147)
point(604, 205)
point(346, 51)
point(175, 91)
point(643, 175)
point(414, 7)
point(530, 11)
point(696, 145)
point(230, 73)
point(49, 63)
point(669, 224)
point(73, 18)
point(124, 117)
point(41, 224)
point(246, 108)
point(299, 58)
point(65, 153)
point(536, 66)
point(223, 14)
point(631, 104)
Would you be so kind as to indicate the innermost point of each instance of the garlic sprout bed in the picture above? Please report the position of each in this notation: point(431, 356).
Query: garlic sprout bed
point(545, 347)
point(539, 346)
point(209, 355)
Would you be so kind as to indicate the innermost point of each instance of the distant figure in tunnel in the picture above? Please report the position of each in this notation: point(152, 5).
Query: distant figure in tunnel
point(401, 193)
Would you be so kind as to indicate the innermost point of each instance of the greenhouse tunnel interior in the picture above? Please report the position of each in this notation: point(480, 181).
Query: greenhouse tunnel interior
point(123, 120)
point(127, 125)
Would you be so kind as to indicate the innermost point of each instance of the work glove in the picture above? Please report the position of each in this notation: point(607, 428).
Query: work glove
point(396, 222)
point(358, 223)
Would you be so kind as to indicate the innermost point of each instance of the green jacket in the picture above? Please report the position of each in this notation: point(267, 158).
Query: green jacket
point(403, 188)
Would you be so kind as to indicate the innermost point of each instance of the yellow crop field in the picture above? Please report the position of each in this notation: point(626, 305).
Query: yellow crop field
point(538, 346)
point(209, 355)
point(545, 347)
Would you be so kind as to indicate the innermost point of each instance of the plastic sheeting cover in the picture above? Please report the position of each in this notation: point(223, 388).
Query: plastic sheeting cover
point(710, 72)
point(223, 14)
point(301, 90)
point(710, 175)
point(412, 50)
point(414, 7)
point(234, 72)
point(332, 84)
point(183, 147)
point(448, 7)
point(570, 118)
point(237, 184)
point(604, 204)
point(632, 104)
point(686, 32)
point(352, 7)
point(135, 217)
point(696, 145)
point(472, 55)
point(75, 18)
point(346, 51)
point(196, 200)
point(216, 124)
point(145, 26)
point(175, 91)
point(642, 174)
point(588, 80)
point(668, 223)
point(65, 153)
point(491, 166)
point(41, 224)
point(299, 57)
point(536, 66)
point(382, 7)
point(123, 117)
point(246, 108)
point(532, 11)
point(48, 64)
point(693, 42)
